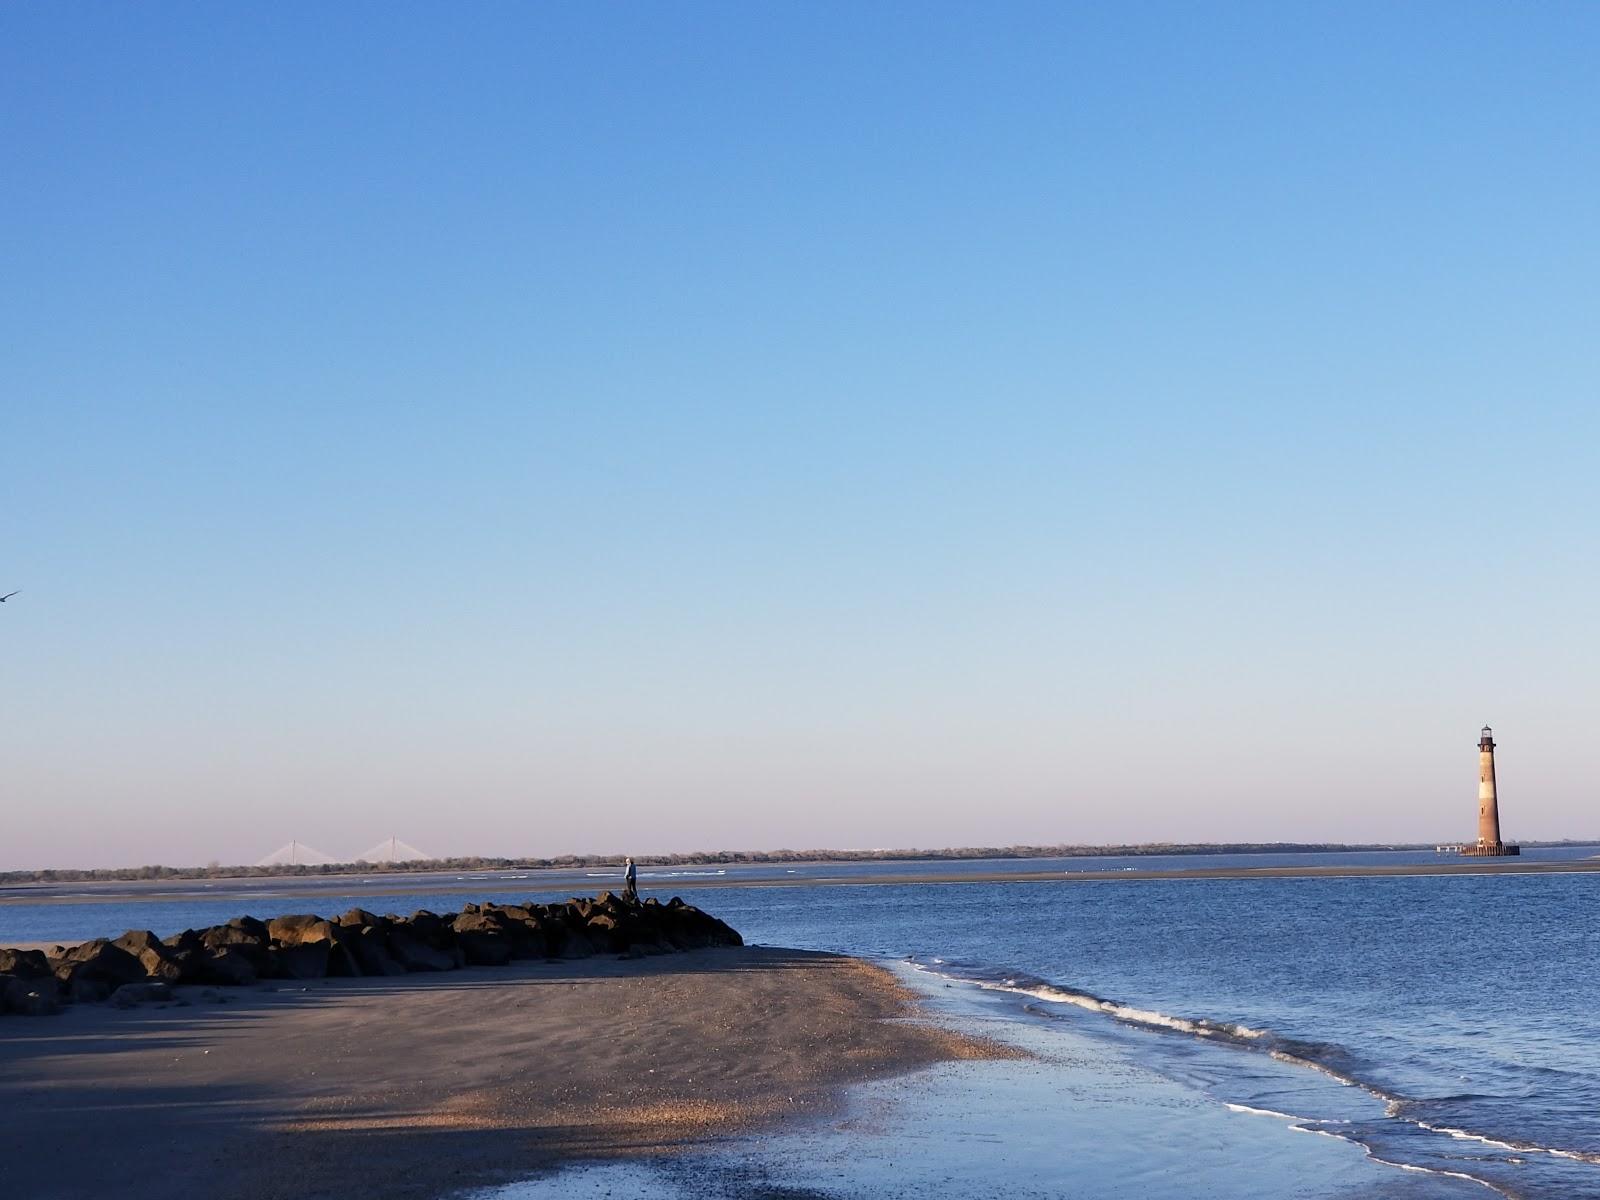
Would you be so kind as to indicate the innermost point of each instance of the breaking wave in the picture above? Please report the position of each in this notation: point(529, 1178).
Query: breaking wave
point(1320, 1056)
point(1513, 1145)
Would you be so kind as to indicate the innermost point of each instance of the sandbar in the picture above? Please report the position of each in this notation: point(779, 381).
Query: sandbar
point(421, 1086)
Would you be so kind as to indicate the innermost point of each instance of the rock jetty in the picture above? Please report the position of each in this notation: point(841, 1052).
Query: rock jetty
point(139, 967)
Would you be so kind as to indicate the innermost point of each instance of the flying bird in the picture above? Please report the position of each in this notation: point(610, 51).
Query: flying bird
point(8, 596)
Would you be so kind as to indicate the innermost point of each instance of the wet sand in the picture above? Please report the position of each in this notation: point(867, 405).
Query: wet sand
point(1088, 1117)
point(423, 1085)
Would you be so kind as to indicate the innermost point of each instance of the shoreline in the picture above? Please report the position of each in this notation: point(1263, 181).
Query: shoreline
point(1078, 1111)
point(27, 896)
point(419, 1087)
point(11, 878)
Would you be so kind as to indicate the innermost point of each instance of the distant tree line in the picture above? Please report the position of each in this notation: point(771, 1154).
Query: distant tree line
point(702, 858)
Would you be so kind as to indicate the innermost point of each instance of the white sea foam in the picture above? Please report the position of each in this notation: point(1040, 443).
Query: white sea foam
point(1405, 1166)
point(1123, 1012)
point(1466, 1135)
point(1300, 1060)
point(1577, 1155)
point(1307, 1128)
point(1261, 1112)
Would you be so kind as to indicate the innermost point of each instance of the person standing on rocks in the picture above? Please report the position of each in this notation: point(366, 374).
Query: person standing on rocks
point(630, 882)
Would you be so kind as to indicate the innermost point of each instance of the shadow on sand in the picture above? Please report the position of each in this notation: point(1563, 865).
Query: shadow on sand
point(411, 1086)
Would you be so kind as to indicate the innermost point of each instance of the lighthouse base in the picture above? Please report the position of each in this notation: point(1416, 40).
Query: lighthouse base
point(1491, 850)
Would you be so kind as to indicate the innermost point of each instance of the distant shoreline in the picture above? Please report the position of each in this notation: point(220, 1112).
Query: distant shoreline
point(50, 875)
point(399, 886)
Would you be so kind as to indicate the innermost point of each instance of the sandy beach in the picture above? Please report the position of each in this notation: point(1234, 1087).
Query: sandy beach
point(418, 1087)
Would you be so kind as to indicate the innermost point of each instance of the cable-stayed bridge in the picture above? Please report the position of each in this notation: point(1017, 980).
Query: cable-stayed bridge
point(298, 854)
point(393, 850)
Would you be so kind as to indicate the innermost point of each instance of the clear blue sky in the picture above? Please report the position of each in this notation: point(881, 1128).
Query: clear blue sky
point(546, 429)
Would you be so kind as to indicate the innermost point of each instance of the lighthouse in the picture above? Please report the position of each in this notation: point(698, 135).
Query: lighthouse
point(1488, 844)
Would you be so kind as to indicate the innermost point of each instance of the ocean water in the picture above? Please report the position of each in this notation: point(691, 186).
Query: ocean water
point(1446, 1024)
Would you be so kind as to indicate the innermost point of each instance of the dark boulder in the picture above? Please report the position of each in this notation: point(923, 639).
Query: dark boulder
point(251, 926)
point(159, 961)
point(92, 971)
point(101, 957)
point(694, 929)
point(414, 954)
point(248, 942)
point(289, 933)
point(231, 934)
point(130, 995)
point(438, 933)
point(370, 945)
point(306, 960)
point(523, 926)
point(482, 939)
point(603, 932)
point(25, 964)
point(478, 921)
point(229, 955)
point(431, 928)
point(300, 929)
point(565, 933)
point(229, 966)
